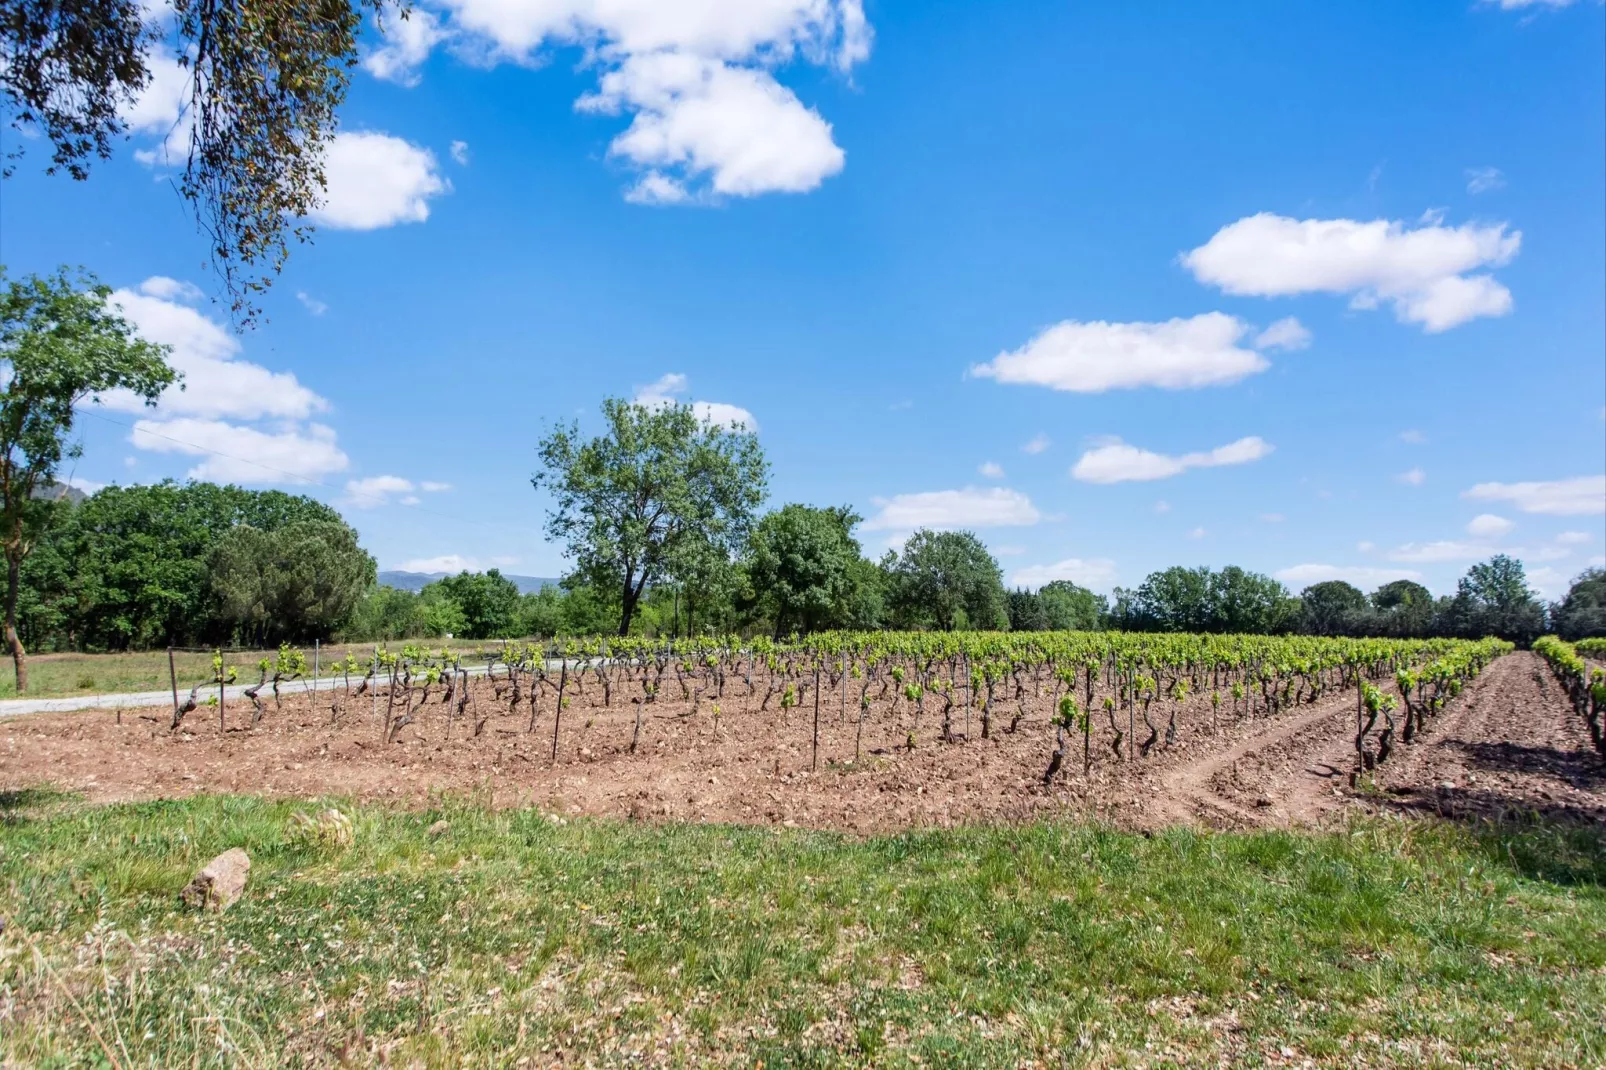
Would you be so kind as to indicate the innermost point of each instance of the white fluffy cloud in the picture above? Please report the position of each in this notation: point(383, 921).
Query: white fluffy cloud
point(697, 78)
point(971, 507)
point(1179, 354)
point(407, 43)
point(1574, 538)
point(1360, 575)
point(452, 563)
point(1579, 496)
point(371, 492)
point(245, 455)
point(1488, 526)
point(209, 414)
point(1423, 272)
point(216, 384)
point(1118, 462)
point(666, 390)
point(373, 180)
point(697, 118)
point(161, 111)
point(1096, 572)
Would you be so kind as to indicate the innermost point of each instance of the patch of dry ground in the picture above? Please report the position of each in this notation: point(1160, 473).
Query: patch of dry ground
point(1510, 743)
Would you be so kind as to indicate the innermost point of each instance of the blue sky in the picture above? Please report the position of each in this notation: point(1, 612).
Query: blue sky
point(1315, 289)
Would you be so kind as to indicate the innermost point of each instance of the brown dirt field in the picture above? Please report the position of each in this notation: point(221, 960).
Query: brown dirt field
point(1290, 768)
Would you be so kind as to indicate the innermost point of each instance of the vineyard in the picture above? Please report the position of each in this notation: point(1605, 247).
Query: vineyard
point(857, 730)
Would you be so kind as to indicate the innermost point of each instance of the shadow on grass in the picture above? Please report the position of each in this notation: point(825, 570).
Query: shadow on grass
point(1561, 843)
point(16, 802)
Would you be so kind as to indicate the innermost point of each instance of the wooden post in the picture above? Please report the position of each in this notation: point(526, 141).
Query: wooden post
point(814, 760)
point(221, 676)
point(172, 676)
point(557, 713)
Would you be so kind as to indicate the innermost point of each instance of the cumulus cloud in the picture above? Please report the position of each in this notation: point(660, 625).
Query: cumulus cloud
point(371, 492)
point(708, 116)
point(1488, 526)
point(1579, 496)
point(408, 40)
point(160, 110)
point(209, 414)
point(971, 507)
point(1096, 572)
point(1117, 462)
point(374, 180)
point(1574, 538)
point(245, 455)
point(701, 119)
point(1178, 354)
point(1360, 575)
point(452, 563)
point(1286, 333)
point(216, 384)
point(665, 392)
point(1424, 272)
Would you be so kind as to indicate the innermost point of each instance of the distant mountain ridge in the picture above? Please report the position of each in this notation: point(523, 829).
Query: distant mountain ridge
point(415, 581)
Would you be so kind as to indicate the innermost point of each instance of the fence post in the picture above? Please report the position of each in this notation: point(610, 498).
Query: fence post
point(172, 677)
point(814, 759)
point(315, 664)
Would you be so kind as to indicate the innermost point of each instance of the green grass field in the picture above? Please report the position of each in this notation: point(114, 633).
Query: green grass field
point(518, 939)
point(60, 675)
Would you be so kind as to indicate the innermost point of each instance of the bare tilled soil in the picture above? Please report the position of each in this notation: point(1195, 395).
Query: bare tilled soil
point(1510, 742)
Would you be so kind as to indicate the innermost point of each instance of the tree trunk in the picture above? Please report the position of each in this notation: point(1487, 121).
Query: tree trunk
point(19, 658)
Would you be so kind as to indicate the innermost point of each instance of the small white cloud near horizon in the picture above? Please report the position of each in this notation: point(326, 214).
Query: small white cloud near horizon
point(1117, 462)
point(991, 469)
point(970, 507)
point(432, 487)
point(1095, 572)
point(1359, 575)
point(448, 563)
point(1574, 538)
point(1442, 550)
point(663, 393)
point(1427, 273)
point(1412, 477)
point(1039, 442)
point(1578, 496)
point(374, 180)
point(372, 492)
point(1488, 526)
point(1178, 354)
point(245, 455)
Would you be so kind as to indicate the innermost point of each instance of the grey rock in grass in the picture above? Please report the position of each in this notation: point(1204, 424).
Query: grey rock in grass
point(220, 883)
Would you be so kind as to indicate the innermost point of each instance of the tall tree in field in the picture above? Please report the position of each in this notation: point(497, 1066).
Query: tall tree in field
point(656, 491)
point(1582, 614)
point(1072, 608)
point(60, 344)
point(948, 580)
point(263, 81)
point(1494, 598)
point(805, 568)
point(1332, 607)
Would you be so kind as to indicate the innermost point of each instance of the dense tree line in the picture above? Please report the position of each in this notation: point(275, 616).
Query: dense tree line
point(190, 564)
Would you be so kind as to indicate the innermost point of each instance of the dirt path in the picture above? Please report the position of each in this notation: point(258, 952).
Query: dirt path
point(1510, 745)
point(1285, 773)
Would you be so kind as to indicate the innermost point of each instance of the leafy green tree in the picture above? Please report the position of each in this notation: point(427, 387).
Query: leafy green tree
point(1026, 612)
point(805, 569)
point(1494, 598)
point(128, 567)
point(489, 602)
point(947, 580)
point(1071, 608)
point(1582, 613)
point(1181, 599)
point(295, 583)
point(1404, 609)
point(266, 78)
point(1401, 594)
point(630, 505)
point(60, 345)
point(1332, 608)
point(384, 614)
